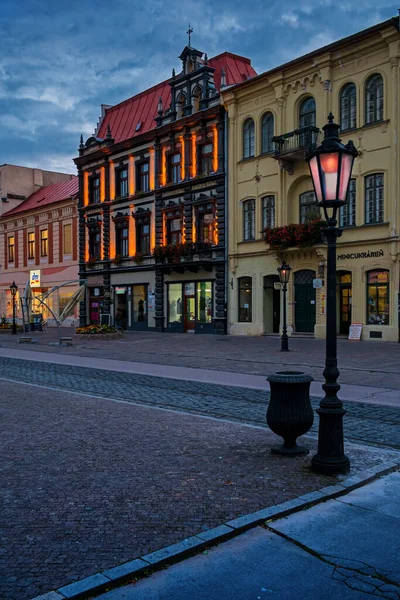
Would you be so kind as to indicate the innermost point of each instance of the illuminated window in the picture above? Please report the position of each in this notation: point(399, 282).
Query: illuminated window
point(378, 297)
point(43, 242)
point(374, 198)
point(348, 107)
point(248, 138)
point(309, 209)
point(10, 243)
point(67, 239)
point(245, 299)
point(249, 220)
point(174, 168)
point(374, 99)
point(31, 245)
point(205, 223)
point(173, 222)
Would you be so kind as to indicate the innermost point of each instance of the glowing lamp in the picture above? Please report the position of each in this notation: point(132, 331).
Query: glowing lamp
point(330, 165)
point(13, 289)
point(284, 273)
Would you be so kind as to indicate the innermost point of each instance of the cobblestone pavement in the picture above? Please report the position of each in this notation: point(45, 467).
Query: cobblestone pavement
point(363, 422)
point(374, 364)
point(89, 483)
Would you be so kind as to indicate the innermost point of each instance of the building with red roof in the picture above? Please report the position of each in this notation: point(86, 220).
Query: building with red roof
point(39, 245)
point(152, 210)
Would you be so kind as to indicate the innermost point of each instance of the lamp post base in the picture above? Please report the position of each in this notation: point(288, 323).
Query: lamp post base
point(326, 465)
point(330, 458)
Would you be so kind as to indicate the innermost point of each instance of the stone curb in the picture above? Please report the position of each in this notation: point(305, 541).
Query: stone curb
point(143, 565)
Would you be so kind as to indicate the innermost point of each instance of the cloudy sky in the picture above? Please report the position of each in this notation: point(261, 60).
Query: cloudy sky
point(60, 59)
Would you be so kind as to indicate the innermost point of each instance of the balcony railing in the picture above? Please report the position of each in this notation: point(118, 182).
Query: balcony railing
point(191, 256)
point(296, 142)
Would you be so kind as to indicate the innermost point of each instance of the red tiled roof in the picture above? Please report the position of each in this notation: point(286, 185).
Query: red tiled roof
point(47, 195)
point(142, 108)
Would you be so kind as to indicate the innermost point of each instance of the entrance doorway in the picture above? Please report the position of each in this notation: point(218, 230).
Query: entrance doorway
point(272, 304)
point(189, 314)
point(343, 281)
point(304, 314)
point(96, 301)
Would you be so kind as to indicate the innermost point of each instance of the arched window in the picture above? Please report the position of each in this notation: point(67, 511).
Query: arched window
point(248, 138)
point(245, 299)
point(180, 103)
point(348, 107)
point(196, 97)
point(249, 220)
point(267, 132)
point(307, 113)
point(378, 297)
point(374, 198)
point(309, 209)
point(374, 99)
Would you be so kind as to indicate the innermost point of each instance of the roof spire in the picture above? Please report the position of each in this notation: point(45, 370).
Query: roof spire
point(173, 73)
point(189, 32)
point(160, 106)
point(223, 78)
point(108, 134)
point(81, 144)
point(206, 59)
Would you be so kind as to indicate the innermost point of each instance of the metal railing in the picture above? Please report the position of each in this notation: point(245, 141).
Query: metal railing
point(300, 139)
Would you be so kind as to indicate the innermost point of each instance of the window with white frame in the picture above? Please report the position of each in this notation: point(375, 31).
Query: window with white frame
point(249, 220)
point(374, 198)
point(268, 212)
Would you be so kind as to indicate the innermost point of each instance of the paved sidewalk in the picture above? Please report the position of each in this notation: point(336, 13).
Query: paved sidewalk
point(89, 483)
point(344, 549)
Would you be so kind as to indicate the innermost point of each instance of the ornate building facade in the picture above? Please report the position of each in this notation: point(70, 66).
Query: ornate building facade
point(152, 213)
point(274, 120)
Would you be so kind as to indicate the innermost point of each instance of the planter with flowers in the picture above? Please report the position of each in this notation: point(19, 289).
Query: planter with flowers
point(301, 235)
point(101, 332)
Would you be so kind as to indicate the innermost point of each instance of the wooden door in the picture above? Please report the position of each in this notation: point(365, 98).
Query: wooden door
point(189, 313)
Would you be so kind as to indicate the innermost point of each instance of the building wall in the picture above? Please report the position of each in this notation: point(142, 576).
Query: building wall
point(362, 247)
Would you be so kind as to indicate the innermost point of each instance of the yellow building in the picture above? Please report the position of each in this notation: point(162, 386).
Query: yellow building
point(274, 119)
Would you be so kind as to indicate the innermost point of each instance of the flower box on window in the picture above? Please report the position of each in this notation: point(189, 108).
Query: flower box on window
point(303, 235)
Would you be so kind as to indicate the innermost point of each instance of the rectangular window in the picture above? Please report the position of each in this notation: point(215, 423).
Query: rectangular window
point(268, 212)
point(10, 243)
point(143, 181)
point(139, 300)
point(309, 210)
point(205, 223)
point(245, 299)
point(122, 182)
point(249, 220)
point(174, 303)
point(94, 243)
point(378, 298)
point(94, 190)
point(175, 168)
point(206, 159)
point(374, 198)
point(67, 239)
point(31, 245)
point(347, 214)
point(204, 302)
point(122, 235)
point(143, 235)
point(174, 227)
point(43, 243)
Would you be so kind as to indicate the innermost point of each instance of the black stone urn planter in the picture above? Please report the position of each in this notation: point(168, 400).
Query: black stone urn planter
point(289, 412)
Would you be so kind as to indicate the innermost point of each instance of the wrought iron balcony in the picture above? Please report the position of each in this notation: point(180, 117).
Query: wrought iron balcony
point(296, 143)
point(187, 256)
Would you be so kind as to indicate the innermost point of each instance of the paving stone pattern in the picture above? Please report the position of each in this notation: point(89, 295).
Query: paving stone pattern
point(363, 422)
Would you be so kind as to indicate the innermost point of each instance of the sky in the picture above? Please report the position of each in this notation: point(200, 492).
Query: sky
point(60, 60)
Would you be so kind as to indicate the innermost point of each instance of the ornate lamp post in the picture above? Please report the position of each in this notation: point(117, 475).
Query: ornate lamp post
point(284, 274)
point(331, 165)
point(13, 289)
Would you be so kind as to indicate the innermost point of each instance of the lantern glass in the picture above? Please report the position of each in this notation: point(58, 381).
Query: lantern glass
point(284, 273)
point(345, 174)
point(315, 177)
point(329, 174)
point(13, 289)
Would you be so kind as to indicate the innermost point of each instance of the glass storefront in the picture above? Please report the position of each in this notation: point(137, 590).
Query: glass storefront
point(175, 306)
point(378, 298)
point(139, 306)
point(190, 307)
point(204, 302)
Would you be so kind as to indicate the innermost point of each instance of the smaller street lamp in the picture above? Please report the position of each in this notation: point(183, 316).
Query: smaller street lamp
point(284, 274)
point(13, 289)
point(330, 166)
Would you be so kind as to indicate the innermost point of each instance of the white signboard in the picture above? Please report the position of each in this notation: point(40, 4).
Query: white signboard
point(277, 285)
point(355, 331)
point(317, 283)
point(35, 279)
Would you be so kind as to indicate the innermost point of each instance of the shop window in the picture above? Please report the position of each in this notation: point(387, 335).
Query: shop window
point(10, 246)
point(248, 138)
point(268, 212)
point(309, 209)
point(267, 132)
point(121, 182)
point(43, 243)
point(94, 243)
point(245, 299)
point(347, 213)
point(121, 238)
point(204, 302)
point(174, 303)
point(143, 176)
point(205, 223)
point(249, 220)
point(173, 224)
point(94, 189)
point(348, 107)
point(139, 299)
point(378, 297)
point(374, 99)
point(174, 171)
point(67, 239)
point(374, 198)
point(206, 159)
point(31, 245)
point(143, 235)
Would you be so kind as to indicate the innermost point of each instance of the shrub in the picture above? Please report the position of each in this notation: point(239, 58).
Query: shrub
point(95, 329)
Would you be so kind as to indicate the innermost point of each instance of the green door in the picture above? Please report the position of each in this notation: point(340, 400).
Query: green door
point(304, 302)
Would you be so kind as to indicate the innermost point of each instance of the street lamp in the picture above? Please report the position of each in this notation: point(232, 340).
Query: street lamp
point(284, 274)
point(13, 289)
point(330, 165)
